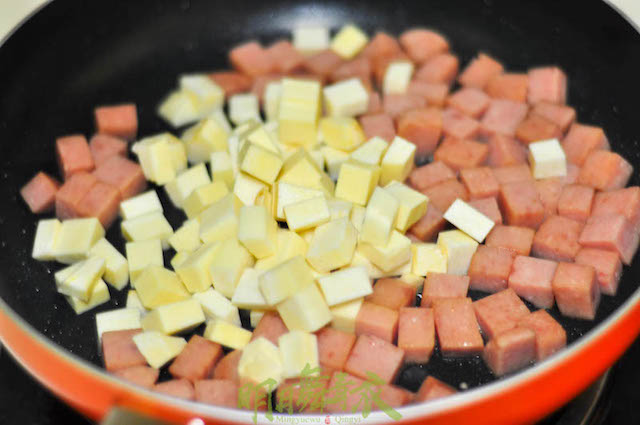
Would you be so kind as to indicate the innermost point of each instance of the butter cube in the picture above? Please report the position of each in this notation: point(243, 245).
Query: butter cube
point(116, 268)
point(339, 208)
point(305, 310)
point(459, 249)
point(227, 334)
point(379, 218)
point(259, 162)
point(173, 318)
point(142, 204)
point(219, 115)
point(332, 245)
point(260, 135)
point(210, 94)
point(75, 239)
point(46, 235)
point(229, 261)
point(307, 214)
point(285, 279)
point(334, 158)
point(261, 360)
point(158, 286)
point(395, 253)
point(287, 194)
point(141, 254)
point(180, 107)
point(311, 39)
point(178, 154)
point(243, 107)
point(345, 285)
point(186, 182)
point(257, 231)
point(247, 294)
point(357, 217)
point(343, 133)
point(255, 316)
point(343, 316)
point(179, 258)
point(373, 271)
point(347, 98)
point(301, 169)
point(371, 152)
point(356, 182)
point(547, 159)
point(80, 282)
point(133, 301)
point(349, 41)
point(317, 157)
point(397, 77)
point(222, 168)
point(248, 189)
point(413, 280)
point(146, 227)
point(469, 220)
point(194, 271)
point(427, 258)
point(217, 306)
point(99, 295)
point(220, 220)
point(299, 111)
point(412, 205)
point(272, 93)
point(397, 162)
point(117, 320)
point(187, 237)
point(299, 350)
point(204, 138)
point(156, 160)
point(289, 244)
point(158, 349)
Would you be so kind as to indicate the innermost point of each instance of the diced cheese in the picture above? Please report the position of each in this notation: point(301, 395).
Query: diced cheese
point(261, 361)
point(469, 220)
point(117, 320)
point(116, 268)
point(459, 249)
point(142, 204)
point(158, 286)
point(301, 169)
point(271, 102)
point(259, 162)
point(307, 214)
point(229, 261)
point(379, 218)
point(187, 237)
point(349, 41)
point(299, 350)
point(173, 318)
point(255, 316)
point(219, 115)
point(412, 205)
point(343, 133)
point(339, 208)
point(373, 271)
point(179, 258)
point(343, 316)
point(243, 107)
point(257, 231)
point(334, 158)
point(156, 160)
point(317, 157)
point(158, 349)
point(180, 107)
point(133, 301)
point(299, 111)
point(259, 135)
point(204, 138)
point(210, 94)
point(287, 194)
point(222, 168)
point(371, 152)
point(397, 162)
point(345, 285)
point(285, 279)
point(46, 235)
point(427, 258)
point(194, 271)
point(332, 245)
point(356, 182)
point(141, 254)
point(75, 239)
point(227, 334)
point(305, 310)
point(146, 227)
point(186, 182)
point(81, 280)
point(547, 159)
point(289, 244)
point(178, 154)
point(248, 189)
point(397, 77)
point(347, 98)
point(395, 253)
point(247, 294)
point(311, 39)
point(99, 295)
point(217, 306)
point(220, 220)
point(357, 217)
point(413, 280)
point(177, 159)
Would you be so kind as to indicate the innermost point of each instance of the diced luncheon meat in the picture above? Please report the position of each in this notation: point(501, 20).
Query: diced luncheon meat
point(470, 101)
point(218, 392)
point(101, 201)
point(432, 388)
point(458, 125)
point(284, 57)
point(429, 225)
point(122, 173)
point(443, 194)
point(103, 147)
point(457, 327)
point(392, 293)
point(459, 154)
point(334, 347)
point(516, 238)
point(377, 320)
point(505, 151)
point(499, 312)
point(119, 351)
point(441, 69)
point(260, 83)
point(581, 140)
point(227, 367)
point(40, 193)
point(71, 193)
point(489, 207)
point(422, 127)
point(291, 393)
point(434, 93)
point(557, 239)
point(604, 170)
point(422, 44)
point(251, 59)
point(271, 327)
point(531, 279)
point(611, 232)
point(575, 202)
point(503, 117)
point(430, 175)
point(231, 82)
point(371, 354)
point(180, 388)
point(397, 104)
point(381, 46)
point(512, 173)
point(510, 351)
point(74, 155)
point(380, 125)
point(375, 104)
point(622, 201)
point(359, 67)
point(143, 376)
point(521, 205)
point(197, 359)
point(480, 71)
point(607, 265)
point(416, 333)
point(576, 290)
point(508, 86)
point(489, 269)
point(352, 400)
point(547, 84)
point(381, 64)
point(442, 285)
point(117, 120)
point(549, 191)
point(322, 64)
point(480, 182)
point(535, 128)
point(561, 115)
point(550, 336)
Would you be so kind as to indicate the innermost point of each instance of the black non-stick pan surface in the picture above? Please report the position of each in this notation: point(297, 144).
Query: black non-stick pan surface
point(74, 55)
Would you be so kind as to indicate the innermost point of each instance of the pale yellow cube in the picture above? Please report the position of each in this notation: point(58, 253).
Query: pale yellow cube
point(547, 159)
point(427, 258)
point(158, 286)
point(334, 158)
point(357, 217)
point(81, 280)
point(398, 161)
point(347, 98)
point(289, 244)
point(99, 295)
point(339, 208)
point(305, 310)
point(287, 194)
point(194, 271)
point(133, 301)
point(141, 254)
point(146, 227)
point(299, 111)
point(259, 162)
point(257, 231)
point(178, 154)
point(187, 237)
point(412, 205)
point(373, 271)
point(343, 133)
point(46, 234)
point(260, 135)
point(356, 182)
point(219, 115)
point(229, 261)
point(397, 77)
point(248, 189)
point(181, 316)
point(299, 350)
point(307, 214)
point(310, 39)
point(117, 320)
point(227, 334)
point(247, 294)
point(349, 41)
point(217, 306)
point(243, 107)
point(371, 152)
point(379, 218)
point(332, 245)
point(459, 249)
point(317, 157)
point(301, 169)
point(261, 361)
point(75, 238)
point(392, 255)
point(210, 94)
point(285, 279)
point(343, 316)
point(469, 220)
point(345, 285)
point(158, 349)
point(142, 204)
point(156, 160)
point(220, 220)
point(179, 259)
point(116, 268)
point(271, 102)
point(413, 280)
point(222, 168)
point(186, 182)
point(180, 107)
point(203, 139)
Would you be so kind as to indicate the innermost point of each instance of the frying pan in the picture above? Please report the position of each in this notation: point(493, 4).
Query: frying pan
point(73, 55)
